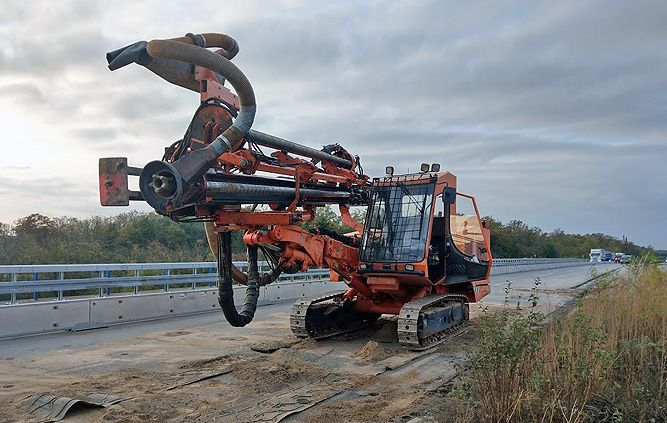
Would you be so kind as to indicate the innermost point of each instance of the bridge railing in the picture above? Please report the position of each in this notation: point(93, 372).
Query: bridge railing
point(61, 281)
point(534, 260)
point(514, 265)
point(58, 281)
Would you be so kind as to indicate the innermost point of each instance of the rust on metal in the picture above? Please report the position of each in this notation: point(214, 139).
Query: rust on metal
point(113, 182)
point(211, 88)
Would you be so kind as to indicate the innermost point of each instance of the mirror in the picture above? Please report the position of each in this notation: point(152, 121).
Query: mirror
point(449, 195)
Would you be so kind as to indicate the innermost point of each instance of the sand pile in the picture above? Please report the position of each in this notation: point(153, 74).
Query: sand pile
point(207, 362)
point(307, 344)
point(373, 352)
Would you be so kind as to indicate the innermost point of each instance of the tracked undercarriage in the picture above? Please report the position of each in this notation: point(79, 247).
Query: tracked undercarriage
point(426, 322)
point(422, 324)
point(327, 315)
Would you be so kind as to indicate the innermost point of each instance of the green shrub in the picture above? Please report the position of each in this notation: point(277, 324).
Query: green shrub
point(603, 361)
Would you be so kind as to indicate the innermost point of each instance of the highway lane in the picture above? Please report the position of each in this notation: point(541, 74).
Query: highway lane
point(555, 289)
point(555, 286)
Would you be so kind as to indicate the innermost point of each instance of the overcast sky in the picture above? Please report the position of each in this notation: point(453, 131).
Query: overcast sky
point(554, 113)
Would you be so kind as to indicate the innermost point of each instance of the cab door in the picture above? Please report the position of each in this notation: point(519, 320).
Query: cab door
point(437, 251)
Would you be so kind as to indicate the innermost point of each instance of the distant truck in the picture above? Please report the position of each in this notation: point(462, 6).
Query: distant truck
point(598, 254)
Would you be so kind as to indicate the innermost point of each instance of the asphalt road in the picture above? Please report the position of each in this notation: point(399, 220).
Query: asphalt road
point(556, 287)
point(553, 286)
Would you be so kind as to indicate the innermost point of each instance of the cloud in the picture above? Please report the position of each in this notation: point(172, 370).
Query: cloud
point(22, 92)
point(553, 113)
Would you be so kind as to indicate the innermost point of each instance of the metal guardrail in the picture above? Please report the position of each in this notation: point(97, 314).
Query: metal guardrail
point(514, 265)
point(60, 279)
point(533, 261)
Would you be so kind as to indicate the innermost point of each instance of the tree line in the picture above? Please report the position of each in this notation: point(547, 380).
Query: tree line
point(135, 237)
point(517, 239)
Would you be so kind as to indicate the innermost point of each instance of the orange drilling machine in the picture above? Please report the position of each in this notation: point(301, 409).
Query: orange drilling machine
point(422, 253)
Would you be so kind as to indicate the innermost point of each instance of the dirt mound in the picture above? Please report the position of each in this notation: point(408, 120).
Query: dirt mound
point(272, 375)
point(373, 352)
point(269, 347)
point(206, 363)
point(307, 344)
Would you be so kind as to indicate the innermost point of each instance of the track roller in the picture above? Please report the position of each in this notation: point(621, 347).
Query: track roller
point(428, 321)
point(327, 315)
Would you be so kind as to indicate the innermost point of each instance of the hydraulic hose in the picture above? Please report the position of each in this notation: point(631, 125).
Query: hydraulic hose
point(225, 290)
point(238, 275)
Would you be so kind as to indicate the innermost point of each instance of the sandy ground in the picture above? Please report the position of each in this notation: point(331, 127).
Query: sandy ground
point(365, 376)
point(204, 371)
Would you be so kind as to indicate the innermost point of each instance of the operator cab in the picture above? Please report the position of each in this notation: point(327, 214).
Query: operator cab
point(420, 231)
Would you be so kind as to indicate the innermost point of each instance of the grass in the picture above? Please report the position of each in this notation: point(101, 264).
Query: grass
point(603, 361)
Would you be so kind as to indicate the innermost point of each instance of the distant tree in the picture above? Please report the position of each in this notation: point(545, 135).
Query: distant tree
point(7, 244)
point(148, 237)
point(35, 225)
point(325, 218)
point(516, 239)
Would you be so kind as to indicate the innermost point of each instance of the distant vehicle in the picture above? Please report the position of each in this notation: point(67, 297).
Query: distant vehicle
point(626, 258)
point(618, 257)
point(608, 256)
point(597, 254)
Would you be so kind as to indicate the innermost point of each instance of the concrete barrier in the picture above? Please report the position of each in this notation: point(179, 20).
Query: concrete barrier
point(32, 318)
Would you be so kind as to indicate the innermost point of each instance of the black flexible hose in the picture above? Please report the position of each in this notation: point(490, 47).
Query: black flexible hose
point(238, 275)
point(225, 290)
